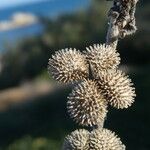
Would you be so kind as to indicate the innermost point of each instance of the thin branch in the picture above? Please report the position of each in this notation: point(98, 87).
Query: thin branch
point(121, 21)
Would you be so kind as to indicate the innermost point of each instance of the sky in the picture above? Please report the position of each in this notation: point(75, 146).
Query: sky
point(8, 3)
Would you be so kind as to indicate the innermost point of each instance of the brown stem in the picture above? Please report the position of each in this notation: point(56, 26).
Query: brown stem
point(121, 21)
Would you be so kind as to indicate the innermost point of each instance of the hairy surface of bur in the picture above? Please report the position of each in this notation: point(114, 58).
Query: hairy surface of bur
point(68, 65)
point(102, 57)
point(117, 88)
point(77, 140)
point(104, 139)
point(86, 105)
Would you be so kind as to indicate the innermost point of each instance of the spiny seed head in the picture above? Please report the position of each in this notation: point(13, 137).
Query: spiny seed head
point(102, 57)
point(68, 65)
point(104, 139)
point(77, 140)
point(117, 88)
point(86, 105)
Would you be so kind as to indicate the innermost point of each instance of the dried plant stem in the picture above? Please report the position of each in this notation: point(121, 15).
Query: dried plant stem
point(121, 21)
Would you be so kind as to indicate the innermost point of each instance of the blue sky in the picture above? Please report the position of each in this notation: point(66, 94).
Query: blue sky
point(7, 3)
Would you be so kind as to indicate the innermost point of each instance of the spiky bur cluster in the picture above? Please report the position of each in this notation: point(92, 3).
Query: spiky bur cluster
point(101, 83)
point(68, 65)
point(98, 139)
point(86, 104)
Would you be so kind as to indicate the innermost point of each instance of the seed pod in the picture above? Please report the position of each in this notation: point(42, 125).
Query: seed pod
point(68, 65)
point(116, 88)
point(77, 140)
point(104, 139)
point(86, 105)
point(102, 57)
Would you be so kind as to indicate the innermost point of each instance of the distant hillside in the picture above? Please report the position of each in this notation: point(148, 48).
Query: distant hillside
point(45, 8)
point(49, 8)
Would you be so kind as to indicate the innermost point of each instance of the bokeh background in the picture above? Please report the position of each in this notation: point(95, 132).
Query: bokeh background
point(33, 113)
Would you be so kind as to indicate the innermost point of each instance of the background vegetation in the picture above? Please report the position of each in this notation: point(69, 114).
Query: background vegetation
point(42, 124)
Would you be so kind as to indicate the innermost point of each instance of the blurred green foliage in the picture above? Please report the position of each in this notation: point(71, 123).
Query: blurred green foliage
point(44, 117)
point(29, 143)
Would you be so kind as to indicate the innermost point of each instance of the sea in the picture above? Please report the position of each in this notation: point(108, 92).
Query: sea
point(46, 8)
